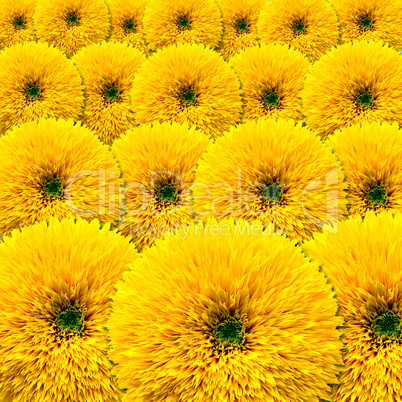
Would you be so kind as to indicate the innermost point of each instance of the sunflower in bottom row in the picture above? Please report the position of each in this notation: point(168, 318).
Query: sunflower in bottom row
point(202, 316)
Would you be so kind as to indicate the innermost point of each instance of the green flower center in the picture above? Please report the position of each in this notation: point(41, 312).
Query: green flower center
point(72, 18)
point(299, 27)
point(33, 91)
point(229, 331)
point(366, 23)
point(377, 195)
point(365, 99)
point(242, 25)
point(271, 193)
point(271, 100)
point(70, 319)
point(53, 187)
point(167, 193)
point(112, 93)
point(129, 26)
point(387, 324)
point(188, 97)
point(19, 23)
point(183, 22)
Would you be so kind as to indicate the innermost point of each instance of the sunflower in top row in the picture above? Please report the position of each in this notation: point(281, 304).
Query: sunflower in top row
point(228, 26)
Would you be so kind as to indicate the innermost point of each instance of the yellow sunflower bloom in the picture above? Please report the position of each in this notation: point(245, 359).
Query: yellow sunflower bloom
point(273, 171)
point(71, 25)
point(55, 168)
point(224, 315)
point(311, 26)
point(356, 82)
point(37, 80)
point(56, 281)
point(363, 262)
point(187, 83)
point(158, 166)
point(107, 70)
point(272, 78)
point(16, 22)
point(239, 24)
point(168, 22)
point(372, 160)
point(126, 22)
point(370, 20)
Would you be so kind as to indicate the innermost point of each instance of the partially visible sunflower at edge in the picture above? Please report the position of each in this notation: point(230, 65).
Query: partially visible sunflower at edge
point(158, 166)
point(371, 156)
point(16, 22)
point(187, 83)
point(55, 284)
point(363, 262)
point(168, 22)
point(310, 26)
point(126, 22)
point(225, 313)
point(239, 24)
point(370, 20)
point(108, 69)
point(355, 82)
point(272, 78)
point(37, 80)
point(57, 168)
point(273, 171)
point(71, 25)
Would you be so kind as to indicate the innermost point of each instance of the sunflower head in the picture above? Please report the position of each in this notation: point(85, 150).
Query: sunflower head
point(71, 25)
point(240, 25)
point(38, 81)
point(161, 159)
point(61, 287)
point(376, 20)
point(168, 22)
point(363, 263)
point(271, 89)
point(311, 26)
point(353, 83)
point(16, 24)
point(187, 83)
point(107, 69)
point(222, 304)
point(126, 23)
point(372, 171)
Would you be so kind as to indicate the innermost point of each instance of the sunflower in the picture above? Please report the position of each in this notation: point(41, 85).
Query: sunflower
point(167, 22)
point(37, 80)
point(272, 78)
point(372, 160)
point(363, 262)
point(356, 82)
point(311, 26)
point(187, 83)
point(274, 171)
point(71, 25)
point(207, 318)
point(56, 280)
point(52, 167)
point(240, 25)
point(126, 22)
point(370, 20)
point(157, 164)
point(108, 70)
point(16, 22)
